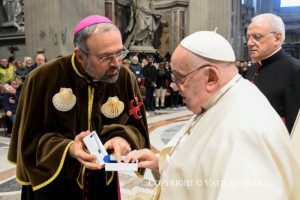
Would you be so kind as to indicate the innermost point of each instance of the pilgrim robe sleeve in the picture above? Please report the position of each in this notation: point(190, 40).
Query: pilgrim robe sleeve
point(37, 147)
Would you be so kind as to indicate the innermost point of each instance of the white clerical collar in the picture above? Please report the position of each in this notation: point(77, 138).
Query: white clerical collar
point(213, 99)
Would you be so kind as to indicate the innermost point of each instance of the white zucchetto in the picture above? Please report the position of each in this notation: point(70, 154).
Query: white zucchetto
point(209, 44)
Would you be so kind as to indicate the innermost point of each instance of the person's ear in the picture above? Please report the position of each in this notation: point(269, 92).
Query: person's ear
point(79, 55)
point(278, 38)
point(213, 76)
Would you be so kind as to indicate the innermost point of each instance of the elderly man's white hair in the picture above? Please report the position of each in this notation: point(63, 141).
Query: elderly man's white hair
point(276, 23)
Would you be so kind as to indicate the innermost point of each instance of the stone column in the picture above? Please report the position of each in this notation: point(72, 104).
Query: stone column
point(207, 15)
point(174, 23)
point(110, 9)
point(237, 34)
point(188, 16)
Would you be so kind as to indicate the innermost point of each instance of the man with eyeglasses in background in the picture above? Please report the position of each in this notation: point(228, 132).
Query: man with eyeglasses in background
point(235, 146)
point(274, 72)
point(65, 99)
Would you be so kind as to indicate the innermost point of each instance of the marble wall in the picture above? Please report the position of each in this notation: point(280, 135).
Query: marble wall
point(49, 24)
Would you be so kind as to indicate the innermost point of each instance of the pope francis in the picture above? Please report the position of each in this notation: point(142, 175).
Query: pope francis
point(235, 147)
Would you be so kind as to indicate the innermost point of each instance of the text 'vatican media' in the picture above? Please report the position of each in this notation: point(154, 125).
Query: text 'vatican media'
point(209, 183)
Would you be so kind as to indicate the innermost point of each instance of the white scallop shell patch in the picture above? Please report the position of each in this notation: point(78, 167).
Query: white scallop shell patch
point(64, 100)
point(112, 108)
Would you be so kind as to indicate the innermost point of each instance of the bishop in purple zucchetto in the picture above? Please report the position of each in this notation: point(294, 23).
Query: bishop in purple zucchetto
point(90, 20)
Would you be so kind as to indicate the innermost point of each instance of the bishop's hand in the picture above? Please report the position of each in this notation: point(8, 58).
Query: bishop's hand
point(77, 150)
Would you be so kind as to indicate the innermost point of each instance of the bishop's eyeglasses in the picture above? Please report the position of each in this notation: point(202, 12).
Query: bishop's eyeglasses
point(258, 37)
point(105, 59)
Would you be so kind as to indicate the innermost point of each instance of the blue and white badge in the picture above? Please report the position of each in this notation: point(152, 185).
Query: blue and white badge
point(95, 146)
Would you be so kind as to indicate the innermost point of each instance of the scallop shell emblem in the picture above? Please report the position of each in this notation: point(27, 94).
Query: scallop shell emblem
point(112, 108)
point(64, 100)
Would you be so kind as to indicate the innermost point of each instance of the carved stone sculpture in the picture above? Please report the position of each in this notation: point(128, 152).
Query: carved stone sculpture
point(14, 13)
point(142, 25)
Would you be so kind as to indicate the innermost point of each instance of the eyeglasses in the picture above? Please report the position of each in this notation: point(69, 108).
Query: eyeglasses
point(119, 56)
point(257, 37)
point(183, 78)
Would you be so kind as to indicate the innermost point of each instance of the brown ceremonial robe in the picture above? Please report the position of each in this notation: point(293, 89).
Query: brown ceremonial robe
point(42, 134)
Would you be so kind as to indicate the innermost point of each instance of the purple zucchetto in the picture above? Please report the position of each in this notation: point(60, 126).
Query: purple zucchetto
point(90, 20)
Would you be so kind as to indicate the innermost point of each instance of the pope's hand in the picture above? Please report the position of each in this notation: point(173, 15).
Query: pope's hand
point(119, 146)
point(145, 157)
point(77, 150)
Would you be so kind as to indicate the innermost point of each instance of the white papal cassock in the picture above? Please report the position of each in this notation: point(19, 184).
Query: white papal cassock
point(238, 149)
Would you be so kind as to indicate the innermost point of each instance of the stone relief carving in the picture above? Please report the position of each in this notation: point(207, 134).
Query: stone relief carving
point(14, 11)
